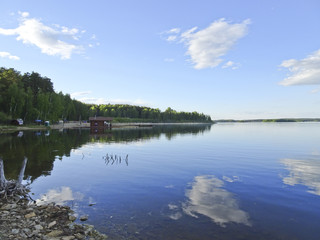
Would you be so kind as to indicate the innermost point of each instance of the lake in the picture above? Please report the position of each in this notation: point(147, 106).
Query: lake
point(222, 181)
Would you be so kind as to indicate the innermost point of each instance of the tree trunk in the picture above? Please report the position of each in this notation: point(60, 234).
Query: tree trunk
point(3, 180)
point(23, 168)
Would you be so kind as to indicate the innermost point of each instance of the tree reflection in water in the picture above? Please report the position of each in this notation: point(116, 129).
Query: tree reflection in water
point(12, 188)
point(42, 148)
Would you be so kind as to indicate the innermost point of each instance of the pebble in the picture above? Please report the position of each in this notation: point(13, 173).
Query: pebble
point(38, 227)
point(15, 231)
point(30, 215)
point(68, 237)
point(55, 233)
point(72, 218)
point(50, 225)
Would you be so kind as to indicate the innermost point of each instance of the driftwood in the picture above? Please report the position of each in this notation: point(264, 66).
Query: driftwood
point(13, 188)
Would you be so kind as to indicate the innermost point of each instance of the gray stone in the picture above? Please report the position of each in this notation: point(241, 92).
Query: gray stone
point(54, 233)
point(38, 227)
point(9, 206)
point(26, 230)
point(68, 237)
point(30, 215)
point(72, 218)
point(15, 231)
point(79, 236)
point(50, 225)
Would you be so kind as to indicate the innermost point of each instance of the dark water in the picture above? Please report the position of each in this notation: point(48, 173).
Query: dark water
point(226, 181)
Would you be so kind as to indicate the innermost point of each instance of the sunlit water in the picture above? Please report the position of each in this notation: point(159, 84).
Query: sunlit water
point(225, 181)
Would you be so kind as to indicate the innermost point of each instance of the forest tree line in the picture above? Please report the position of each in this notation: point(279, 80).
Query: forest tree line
point(31, 96)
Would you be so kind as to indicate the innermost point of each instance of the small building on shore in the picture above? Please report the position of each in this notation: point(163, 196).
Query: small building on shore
point(100, 122)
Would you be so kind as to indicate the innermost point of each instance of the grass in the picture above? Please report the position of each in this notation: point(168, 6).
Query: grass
point(13, 128)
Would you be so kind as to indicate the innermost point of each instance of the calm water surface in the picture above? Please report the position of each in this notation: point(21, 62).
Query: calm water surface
point(225, 181)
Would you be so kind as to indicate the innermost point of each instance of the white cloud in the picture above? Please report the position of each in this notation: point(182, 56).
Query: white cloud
point(77, 94)
point(231, 65)
point(51, 41)
point(71, 31)
point(174, 30)
point(8, 55)
point(303, 72)
point(24, 14)
point(169, 60)
point(82, 96)
point(172, 38)
point(206, 47)
point(173, 34)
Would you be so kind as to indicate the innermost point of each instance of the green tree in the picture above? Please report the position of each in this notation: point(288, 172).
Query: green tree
point(43, 105)
point(16, 97)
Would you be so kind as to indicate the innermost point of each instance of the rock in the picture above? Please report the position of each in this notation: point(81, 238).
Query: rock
point(15, 231)
point(38, 227)
point(9, 206)
point(68, 237)
point(55, 233)
point(79, 236)
point(84, 218)
point(30, 215)
point(23, 235)
point(50, 225)
point(72, 218)
point(26, 230)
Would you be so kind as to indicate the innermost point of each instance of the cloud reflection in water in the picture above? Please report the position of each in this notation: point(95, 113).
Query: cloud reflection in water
point(59, 196)
point(208, 198)
point(305, 172)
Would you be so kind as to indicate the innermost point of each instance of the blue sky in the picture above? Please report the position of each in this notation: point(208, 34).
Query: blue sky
point(231, 59)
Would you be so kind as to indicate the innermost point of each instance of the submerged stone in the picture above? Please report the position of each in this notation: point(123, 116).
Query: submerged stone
point(84, 218)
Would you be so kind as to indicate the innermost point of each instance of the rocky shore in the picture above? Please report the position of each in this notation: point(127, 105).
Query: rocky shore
point(23, 219)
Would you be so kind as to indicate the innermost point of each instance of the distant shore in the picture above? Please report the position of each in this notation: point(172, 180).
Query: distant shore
point(269, 120)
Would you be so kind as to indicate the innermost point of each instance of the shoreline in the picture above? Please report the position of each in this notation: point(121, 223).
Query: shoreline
point(71, 125)
point(21, 217)
point(24, 219)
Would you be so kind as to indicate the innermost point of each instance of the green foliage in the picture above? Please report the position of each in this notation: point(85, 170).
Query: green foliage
point(31, 96)
point(4, 118)
point(129, 113)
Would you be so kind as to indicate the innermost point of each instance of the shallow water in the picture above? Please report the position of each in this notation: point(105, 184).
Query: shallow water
point(225, 181)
